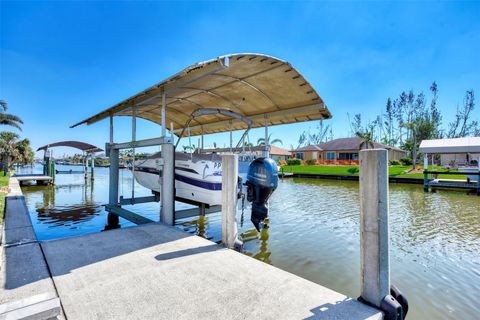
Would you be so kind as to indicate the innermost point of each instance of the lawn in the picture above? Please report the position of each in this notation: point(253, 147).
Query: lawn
point(3, 183)
point(393, 171)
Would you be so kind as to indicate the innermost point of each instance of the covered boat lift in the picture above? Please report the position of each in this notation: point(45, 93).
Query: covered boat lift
point(467, 145)
point(88, 150)
point(264, 89)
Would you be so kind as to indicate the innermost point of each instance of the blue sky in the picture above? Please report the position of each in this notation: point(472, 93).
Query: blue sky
point(64, 61)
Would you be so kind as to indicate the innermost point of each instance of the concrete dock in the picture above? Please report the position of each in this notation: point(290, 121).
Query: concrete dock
point(156, 271)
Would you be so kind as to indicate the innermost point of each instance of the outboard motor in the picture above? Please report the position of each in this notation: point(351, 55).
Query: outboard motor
point(262, 180)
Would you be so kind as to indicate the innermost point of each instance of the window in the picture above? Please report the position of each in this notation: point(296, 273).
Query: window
point(348, 156)
point(299, 155)
point(330, 155)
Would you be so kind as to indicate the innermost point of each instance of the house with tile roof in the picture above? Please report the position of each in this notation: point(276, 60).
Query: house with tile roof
point(342, 150)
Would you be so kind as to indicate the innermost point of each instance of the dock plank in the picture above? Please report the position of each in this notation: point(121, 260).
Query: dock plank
point(155, 271)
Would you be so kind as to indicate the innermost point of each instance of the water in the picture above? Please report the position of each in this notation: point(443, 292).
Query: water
point(314, 233)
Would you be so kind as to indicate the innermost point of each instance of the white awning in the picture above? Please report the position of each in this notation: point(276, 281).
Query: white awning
point(457, 145)
point(267, 90)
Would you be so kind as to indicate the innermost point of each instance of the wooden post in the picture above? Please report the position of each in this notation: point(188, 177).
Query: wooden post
point(229, 199)
point(374, 230)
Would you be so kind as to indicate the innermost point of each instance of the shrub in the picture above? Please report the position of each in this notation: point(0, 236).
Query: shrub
point(406, 161)
point(394, 162)
point(294, 162)
point(311, 162)
point(281, 162)
point(353, 170)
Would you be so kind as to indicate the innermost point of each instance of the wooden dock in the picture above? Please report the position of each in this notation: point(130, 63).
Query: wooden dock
point(154, 271)
point(39, 179)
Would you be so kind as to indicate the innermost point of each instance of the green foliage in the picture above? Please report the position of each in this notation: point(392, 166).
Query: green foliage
point(294, 162)
point(353, 170)
point(406, 161)
point(394, 163)
point(9, 119)
point(311, 162)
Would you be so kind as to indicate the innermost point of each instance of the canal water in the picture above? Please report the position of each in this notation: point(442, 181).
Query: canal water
point(314, 233)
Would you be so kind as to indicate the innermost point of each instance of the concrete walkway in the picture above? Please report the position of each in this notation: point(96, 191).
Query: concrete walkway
point(155, 271)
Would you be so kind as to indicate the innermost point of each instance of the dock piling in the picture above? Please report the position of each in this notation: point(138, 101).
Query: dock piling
point(167, 204)
point(374, 230)
point(113, 183)
point(229, 200)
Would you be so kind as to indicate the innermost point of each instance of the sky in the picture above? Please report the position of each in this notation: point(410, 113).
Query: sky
point(61, 62)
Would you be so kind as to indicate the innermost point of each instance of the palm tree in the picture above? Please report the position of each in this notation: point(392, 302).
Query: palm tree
point(367, 138)
point(261, 141)
point(9, 119)
point(8, 148)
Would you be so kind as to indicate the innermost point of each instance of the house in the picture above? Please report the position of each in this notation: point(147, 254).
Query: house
point(277, 153)
point(342, 151)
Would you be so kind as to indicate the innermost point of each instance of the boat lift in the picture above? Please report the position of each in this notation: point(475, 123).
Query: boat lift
point(87, 149)
point(261, 88)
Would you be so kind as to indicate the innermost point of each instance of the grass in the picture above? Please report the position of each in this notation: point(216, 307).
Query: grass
point(3, 183)
point(393, 171)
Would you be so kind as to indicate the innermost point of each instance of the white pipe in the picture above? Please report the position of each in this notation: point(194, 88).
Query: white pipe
point(164, 120)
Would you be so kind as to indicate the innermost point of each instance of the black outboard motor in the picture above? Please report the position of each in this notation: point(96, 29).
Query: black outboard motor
point(262, 180)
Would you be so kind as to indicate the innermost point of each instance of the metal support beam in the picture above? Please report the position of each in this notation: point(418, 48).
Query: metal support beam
point(167, 204)
point(138, 144)
point(92, 167)
point(229, 200)
point(266, 145)
point(374, 229)
point(113, 183)
point(425, 174)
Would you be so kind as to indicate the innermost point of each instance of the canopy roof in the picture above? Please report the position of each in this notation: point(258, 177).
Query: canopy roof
point(457, 145)
point(263, 88)
point(86, 147)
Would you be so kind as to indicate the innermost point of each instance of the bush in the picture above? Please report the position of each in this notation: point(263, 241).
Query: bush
point(406, 161)
point(311, 162)
point(281, 162)
point(353, 170)
point(294, 162)
point(394, 162)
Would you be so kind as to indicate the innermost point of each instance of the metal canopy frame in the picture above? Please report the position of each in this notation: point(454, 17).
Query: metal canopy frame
point(252, 85)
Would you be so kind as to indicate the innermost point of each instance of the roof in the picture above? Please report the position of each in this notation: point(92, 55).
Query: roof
point(263, 88)
point(276, 151)
point(456, 145)
point(311, 147)
point(352, 143)
point(74, 144)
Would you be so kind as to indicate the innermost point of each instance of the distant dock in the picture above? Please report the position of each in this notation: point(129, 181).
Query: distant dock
point(39, 179)
point(152, 271)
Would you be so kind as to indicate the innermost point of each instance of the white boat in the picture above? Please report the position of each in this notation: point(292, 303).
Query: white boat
point(198, 176)
point(470, 177)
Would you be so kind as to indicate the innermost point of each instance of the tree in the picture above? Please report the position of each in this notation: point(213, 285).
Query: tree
point(462, 126)
point(261, 141)
point(9, 119)
point(24, 153)
point(8, 145)
point(412, 127)
point(321, 134)
point(363, 132)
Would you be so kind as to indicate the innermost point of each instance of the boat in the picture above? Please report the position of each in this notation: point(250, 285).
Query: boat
point(198, 175)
